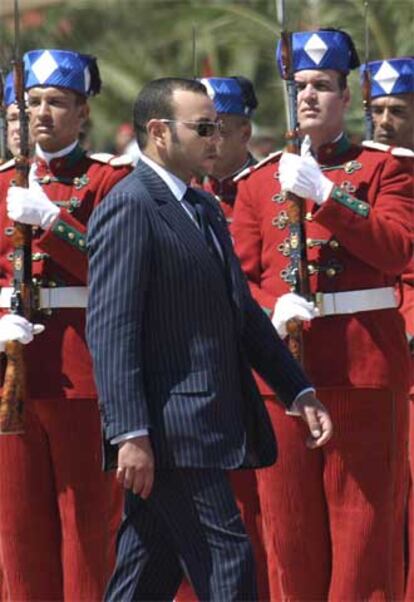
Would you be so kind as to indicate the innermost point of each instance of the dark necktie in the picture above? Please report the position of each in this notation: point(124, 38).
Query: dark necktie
point(194, 204)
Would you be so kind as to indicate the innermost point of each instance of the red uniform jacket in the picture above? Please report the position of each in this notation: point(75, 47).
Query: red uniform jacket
point(225, 190)
point(58, 362)
point(361, 241)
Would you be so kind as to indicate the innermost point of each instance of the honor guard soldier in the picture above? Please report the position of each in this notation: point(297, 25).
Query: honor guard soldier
point(55, 502)
point(235, 101)
point(333, 518)
point(12, 145)
point(392, 100)
point(392, 107)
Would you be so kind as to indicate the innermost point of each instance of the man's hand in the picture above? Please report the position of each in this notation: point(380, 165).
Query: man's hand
point(17, 328)
point(291, 306)
point(31, 206)
point(317, 418)
point(303, 176)
point(136, 465)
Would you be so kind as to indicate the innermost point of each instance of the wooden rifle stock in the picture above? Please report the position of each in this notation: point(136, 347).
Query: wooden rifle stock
point(14, 386)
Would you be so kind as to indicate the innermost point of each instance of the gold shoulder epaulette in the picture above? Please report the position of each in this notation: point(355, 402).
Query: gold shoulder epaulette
point(7, 165)
point(397, 151)
point(253, 168)
point(109, 159)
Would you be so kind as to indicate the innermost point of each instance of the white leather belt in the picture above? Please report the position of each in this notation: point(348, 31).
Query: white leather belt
point(351, 302)
point(52, 298)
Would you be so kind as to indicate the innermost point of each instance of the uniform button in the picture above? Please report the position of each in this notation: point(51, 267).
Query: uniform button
point(51, 283)
point(331, 272)
point(71, 235)
point(334, 244)
point(311, 269)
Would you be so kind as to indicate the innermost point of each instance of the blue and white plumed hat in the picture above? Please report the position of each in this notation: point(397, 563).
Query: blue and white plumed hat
point(62, 69)
point(234, 95)
point(323, 49)
point(9, 94)
point(392, 76)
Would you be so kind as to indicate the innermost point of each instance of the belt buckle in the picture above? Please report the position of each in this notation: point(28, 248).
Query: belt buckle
point(36, 284)
point(319, 303)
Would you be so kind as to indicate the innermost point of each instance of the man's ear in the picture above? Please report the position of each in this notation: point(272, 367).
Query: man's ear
point(246, 132)
point(157, 131)
point(84, 111)
point(346, 95)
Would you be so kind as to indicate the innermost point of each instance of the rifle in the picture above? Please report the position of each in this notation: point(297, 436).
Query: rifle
point(298, 276)
point(366, 83)
point(14, 387)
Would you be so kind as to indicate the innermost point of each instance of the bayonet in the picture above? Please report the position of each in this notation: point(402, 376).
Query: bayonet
point(366, 81)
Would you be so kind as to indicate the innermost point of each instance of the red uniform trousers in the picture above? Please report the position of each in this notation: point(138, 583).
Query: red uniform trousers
point(337, 502)
point(56, 504)
point(409, 594)
point(3, 591)
point(407, 311)
point(244, 484)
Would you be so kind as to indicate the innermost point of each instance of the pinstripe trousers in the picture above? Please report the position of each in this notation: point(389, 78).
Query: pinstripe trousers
point(189, 525)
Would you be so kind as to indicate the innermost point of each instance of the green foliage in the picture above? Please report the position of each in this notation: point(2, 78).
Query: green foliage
point(139, 40)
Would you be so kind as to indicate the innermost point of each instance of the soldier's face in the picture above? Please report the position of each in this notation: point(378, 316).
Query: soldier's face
point(321, 103)
point(235, 134)
point(13, 133)
point(56, 116)
point(393, 118)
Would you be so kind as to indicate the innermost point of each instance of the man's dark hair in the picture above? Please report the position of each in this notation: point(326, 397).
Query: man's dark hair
point(249, 95)
point(155, 102)
point(342, 81)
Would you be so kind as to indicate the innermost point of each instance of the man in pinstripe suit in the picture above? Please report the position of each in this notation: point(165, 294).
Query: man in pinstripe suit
point(173, 332)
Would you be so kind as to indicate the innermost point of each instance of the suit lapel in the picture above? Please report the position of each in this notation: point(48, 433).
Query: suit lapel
point(170, 209)
point(218, 223)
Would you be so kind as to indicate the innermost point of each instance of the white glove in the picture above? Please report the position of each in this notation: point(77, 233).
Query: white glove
point(302, 175)
point(31, 206)
point(17, 328)
point(290, 306)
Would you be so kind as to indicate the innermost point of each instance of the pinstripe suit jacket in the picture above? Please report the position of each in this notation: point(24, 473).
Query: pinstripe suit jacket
point(172, 337)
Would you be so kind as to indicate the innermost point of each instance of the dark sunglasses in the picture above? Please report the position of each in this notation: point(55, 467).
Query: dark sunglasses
point(205, 129)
